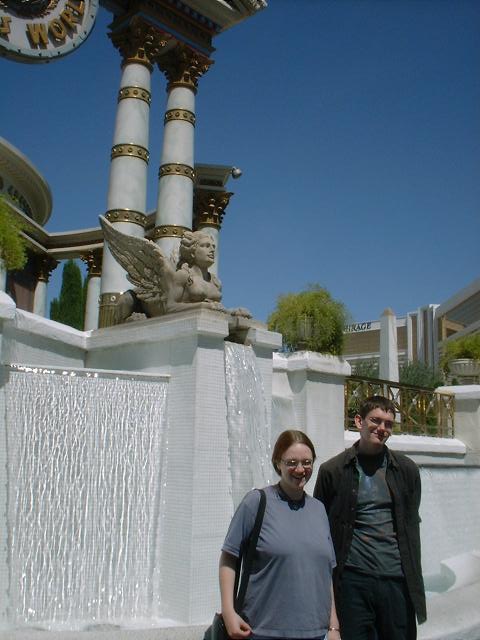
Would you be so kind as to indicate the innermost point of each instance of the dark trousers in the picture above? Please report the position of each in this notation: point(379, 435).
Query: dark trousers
point(373, 608)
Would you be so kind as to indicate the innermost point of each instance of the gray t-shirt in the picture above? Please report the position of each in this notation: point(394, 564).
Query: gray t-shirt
point(288, 593)
point(374, 547)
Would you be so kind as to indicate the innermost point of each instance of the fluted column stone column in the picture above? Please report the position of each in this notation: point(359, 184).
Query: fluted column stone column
point(93, 260)
point(208, 211)
point(139, 45)
point(182, 67)
point(44, 267)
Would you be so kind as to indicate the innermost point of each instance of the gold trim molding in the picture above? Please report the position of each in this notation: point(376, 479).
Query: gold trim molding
point(138, 41)
point(107, 313)
point(168, 231)
point(179, 114)
point(183, 67)
point(176, 169)
point(209, 207)
point(93, 260)
point(131, 150)
point(135, 92)
point(126, 215)
point(44, 265)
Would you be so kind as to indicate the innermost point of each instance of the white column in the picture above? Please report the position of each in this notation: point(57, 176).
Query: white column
point(176, 174)
point(139, 44)
point(40, 298)
point(388, 346)
point(3, 275)
point(93, 260)
point(127, 191)
point(209, 209)
point(44, 266)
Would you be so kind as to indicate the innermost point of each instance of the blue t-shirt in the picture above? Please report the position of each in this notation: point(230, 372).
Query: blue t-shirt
point(288, 594)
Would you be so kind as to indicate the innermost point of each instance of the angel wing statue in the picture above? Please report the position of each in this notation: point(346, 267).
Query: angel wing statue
point(161, 284)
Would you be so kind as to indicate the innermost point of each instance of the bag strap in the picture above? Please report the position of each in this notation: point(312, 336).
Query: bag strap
point(246, 559)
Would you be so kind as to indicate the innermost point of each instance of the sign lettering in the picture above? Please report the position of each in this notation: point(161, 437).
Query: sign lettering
point(357, 327)
point(44, 30)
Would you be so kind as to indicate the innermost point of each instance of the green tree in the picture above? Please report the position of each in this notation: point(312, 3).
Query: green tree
point(310, 320)
point(366, 369)
point(420, 375)
point(69, 306)
point(13, 250)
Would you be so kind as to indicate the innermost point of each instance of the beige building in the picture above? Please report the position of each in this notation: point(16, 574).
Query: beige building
point(420, 334)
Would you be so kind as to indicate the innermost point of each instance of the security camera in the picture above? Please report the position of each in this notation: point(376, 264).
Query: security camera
point(236, 173)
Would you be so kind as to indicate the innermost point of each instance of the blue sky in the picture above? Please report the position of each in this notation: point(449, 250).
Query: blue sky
point(355, 122)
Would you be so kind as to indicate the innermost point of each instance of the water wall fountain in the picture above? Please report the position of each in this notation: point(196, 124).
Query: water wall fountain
point(119, 477)
point(85, 460)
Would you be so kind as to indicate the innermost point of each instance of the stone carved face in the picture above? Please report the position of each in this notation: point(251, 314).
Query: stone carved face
point(205, 251)
point(197, 248)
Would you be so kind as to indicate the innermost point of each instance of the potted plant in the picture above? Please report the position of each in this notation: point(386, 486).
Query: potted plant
point(461, 358)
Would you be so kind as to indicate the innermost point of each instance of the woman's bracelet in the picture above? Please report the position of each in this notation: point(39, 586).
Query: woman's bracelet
point(334, 629)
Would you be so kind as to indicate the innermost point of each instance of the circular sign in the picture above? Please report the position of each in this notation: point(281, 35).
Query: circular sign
point(43, 30)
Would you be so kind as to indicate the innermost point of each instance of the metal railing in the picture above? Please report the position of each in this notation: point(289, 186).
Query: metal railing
point(419, 411)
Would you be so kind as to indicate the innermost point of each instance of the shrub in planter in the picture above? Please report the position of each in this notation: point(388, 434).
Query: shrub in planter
point(466, 347)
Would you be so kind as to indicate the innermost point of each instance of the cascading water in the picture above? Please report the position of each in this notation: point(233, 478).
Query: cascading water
point(249, 432)
point(84, 474)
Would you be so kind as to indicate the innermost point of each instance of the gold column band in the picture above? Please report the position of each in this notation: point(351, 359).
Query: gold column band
point(176, 169)
point(179, 114)
point(107, 314)
point(132, 150)
point(126, 215)
point(168, 230)
point(135, 92)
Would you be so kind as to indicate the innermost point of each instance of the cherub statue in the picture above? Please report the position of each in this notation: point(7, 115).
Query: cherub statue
point(163, 285)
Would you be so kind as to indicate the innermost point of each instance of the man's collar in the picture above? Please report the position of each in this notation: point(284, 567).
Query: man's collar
point(352, 452)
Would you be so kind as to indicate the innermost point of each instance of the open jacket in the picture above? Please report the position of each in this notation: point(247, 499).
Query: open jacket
point(337, 488)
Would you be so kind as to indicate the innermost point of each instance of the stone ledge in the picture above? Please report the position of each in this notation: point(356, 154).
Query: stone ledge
point(311, 361)
point(462, 392)
point(110, 632)
point(33, 324)
point(418, 444)
point(205, 322)
point(7, 306)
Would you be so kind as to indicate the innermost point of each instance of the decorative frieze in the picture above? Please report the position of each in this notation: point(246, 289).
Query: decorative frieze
point(132, 150)
point(179, 114)
point(136, 93)
point(126, 215)
point(176, 169)
point(168, 231)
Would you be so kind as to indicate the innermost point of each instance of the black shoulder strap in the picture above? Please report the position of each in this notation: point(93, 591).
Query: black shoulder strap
point(247, 556)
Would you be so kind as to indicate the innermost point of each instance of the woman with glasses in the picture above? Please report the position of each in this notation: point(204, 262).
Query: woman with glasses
point(289, 592)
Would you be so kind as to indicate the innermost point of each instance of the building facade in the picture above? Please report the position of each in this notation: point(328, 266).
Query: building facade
point(421, 333)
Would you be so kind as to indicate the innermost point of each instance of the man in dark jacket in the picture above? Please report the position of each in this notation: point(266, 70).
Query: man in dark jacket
point(372, 497)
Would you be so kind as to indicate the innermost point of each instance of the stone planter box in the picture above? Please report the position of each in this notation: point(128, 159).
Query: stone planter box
point(465, 370)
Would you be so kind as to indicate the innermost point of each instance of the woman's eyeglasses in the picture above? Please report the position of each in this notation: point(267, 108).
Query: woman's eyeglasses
point(293, 464)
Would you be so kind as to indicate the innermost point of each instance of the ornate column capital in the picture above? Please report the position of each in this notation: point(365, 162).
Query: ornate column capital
point(44, 265)
point(93, 260)
point(139, 42)
point(209, 207)
point(183, 67)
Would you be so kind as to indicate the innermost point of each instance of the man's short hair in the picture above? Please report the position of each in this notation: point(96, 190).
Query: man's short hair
point(375, 402)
